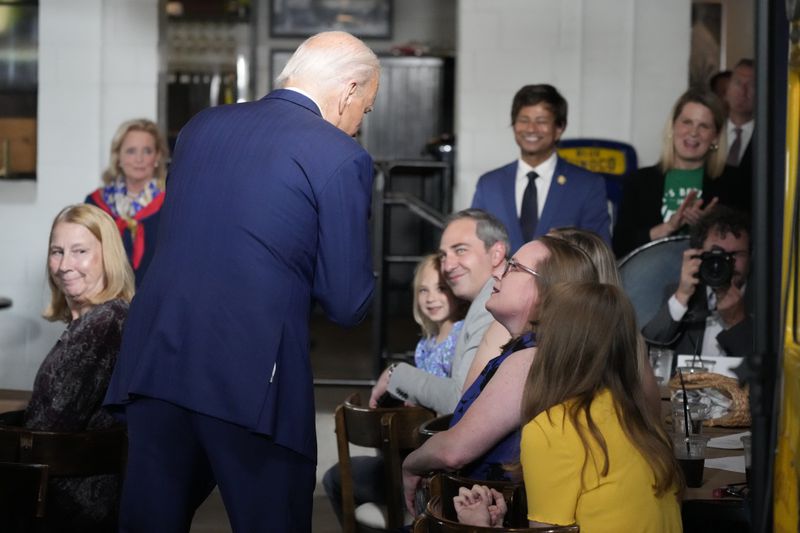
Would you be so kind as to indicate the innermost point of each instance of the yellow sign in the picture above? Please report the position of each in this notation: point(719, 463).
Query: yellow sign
point(604, 160)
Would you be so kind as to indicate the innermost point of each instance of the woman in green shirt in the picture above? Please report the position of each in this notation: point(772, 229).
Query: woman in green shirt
point(690, 178)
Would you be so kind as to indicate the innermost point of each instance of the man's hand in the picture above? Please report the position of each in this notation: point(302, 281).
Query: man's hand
point(411, 483)
point(380, 387)
point(480, 506)
point(689, 280)
point(730, 305)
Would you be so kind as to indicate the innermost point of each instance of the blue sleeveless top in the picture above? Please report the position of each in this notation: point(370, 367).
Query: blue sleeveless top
point(490, 465)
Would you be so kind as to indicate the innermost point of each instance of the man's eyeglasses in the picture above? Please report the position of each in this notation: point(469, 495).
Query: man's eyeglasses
point(511, 264)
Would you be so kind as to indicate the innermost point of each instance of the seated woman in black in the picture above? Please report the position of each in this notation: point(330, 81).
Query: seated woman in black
point(91, 284)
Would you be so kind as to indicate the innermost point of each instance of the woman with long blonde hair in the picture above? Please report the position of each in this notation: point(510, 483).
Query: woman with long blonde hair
point(691, 176)
point(91, 285)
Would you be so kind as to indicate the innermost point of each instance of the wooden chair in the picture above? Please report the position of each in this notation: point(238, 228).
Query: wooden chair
point(23, 491)
point(33, 457)
point(432, 427)
point(392, 431)
point(433, 522)
point(445, 485)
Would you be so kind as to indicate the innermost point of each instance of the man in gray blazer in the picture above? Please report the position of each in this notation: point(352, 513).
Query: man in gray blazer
point(472, 245)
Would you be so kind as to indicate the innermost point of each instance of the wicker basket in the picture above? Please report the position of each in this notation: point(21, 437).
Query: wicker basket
point(739, 412)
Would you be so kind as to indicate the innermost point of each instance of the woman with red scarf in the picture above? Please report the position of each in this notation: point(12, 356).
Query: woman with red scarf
point(133, 190)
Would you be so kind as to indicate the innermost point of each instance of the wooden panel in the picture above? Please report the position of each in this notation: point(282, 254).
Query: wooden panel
point(17, 145)
point(410, 108)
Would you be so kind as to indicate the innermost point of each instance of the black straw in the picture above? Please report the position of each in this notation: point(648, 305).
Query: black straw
point(686, 419)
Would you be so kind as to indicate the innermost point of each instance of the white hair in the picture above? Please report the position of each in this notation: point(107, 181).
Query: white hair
point(330, 57)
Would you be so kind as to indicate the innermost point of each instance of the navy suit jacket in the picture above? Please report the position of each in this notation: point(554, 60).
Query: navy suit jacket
point(578, 200)
point(267, 212)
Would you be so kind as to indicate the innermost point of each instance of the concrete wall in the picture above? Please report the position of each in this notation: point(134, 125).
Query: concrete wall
point(98, 64)
point(619, 63)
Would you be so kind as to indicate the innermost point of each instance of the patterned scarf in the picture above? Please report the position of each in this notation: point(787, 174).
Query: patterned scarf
point(115, 195)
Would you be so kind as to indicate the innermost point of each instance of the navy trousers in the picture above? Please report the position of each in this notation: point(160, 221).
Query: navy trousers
point(177, 456)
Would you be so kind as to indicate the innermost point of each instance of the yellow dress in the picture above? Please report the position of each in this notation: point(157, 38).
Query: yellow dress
point(552, 458)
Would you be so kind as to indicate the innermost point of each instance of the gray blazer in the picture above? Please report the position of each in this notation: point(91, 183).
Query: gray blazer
point(442, 394)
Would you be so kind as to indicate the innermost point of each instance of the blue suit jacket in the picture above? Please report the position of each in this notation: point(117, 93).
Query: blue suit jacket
point(267, 211)
point(577, 200)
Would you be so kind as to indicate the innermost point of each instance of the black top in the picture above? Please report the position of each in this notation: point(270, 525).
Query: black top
point(640, 209)
point(68, 395)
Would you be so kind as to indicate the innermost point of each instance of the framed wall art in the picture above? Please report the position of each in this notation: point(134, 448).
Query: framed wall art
point(371, 19)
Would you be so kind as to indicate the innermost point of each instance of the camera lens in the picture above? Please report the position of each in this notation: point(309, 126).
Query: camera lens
point(716, 268)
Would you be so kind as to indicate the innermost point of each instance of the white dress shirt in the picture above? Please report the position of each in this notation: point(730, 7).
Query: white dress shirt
point(714, 323)
point(304, 93)
point(545, 170)
point(747, 134)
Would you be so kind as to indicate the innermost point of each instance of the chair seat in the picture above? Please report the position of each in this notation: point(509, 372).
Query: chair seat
point(393, 431)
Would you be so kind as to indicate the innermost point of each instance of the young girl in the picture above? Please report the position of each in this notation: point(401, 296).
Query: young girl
point(439, 314)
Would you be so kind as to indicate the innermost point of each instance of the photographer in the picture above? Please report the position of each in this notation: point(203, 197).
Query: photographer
point(707, 313)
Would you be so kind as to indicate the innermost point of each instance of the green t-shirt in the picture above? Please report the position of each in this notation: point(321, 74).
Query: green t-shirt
point(677, 185)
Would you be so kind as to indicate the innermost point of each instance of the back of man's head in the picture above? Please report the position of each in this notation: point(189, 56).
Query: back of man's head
point(328, 59)
point(487, 227)
point(542, 93)
point(722, 220)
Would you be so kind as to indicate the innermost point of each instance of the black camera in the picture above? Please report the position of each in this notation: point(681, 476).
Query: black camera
point(716, 268)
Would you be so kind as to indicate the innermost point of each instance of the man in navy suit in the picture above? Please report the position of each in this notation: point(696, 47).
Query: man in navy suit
point(267, 212)
point(541, 191)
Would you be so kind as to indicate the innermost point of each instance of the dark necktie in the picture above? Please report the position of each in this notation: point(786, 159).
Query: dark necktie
point(736, 147)
point(529, 214)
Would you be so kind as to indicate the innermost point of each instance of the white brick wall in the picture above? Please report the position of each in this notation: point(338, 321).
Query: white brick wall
point(98, 66)
point(619, 63)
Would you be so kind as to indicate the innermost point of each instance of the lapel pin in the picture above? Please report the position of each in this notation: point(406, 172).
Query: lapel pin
point(561, 180)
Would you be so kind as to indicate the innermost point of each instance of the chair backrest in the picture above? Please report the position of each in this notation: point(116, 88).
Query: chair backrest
point(445, 485)
point(435, 522)
point(29, 458)
point(82, 453)
point(613, 160)
point(393, 431)
point(647, 271)
point(23, 491)
point(432, 427)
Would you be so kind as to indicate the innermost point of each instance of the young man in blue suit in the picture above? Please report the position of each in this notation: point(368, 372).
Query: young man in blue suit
point(267, 212)
point(541, 191)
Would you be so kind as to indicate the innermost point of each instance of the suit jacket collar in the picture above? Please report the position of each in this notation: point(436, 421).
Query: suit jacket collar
point(296, 98)
point(508, 189)
point(698, 305)
point(557, 194)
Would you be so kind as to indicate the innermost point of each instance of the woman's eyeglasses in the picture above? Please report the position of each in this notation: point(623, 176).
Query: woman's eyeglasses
point(511, 264)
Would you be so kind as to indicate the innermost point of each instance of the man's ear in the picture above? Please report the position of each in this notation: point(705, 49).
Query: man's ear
point(497, 253)
point(559, 131)
point(346, 95)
